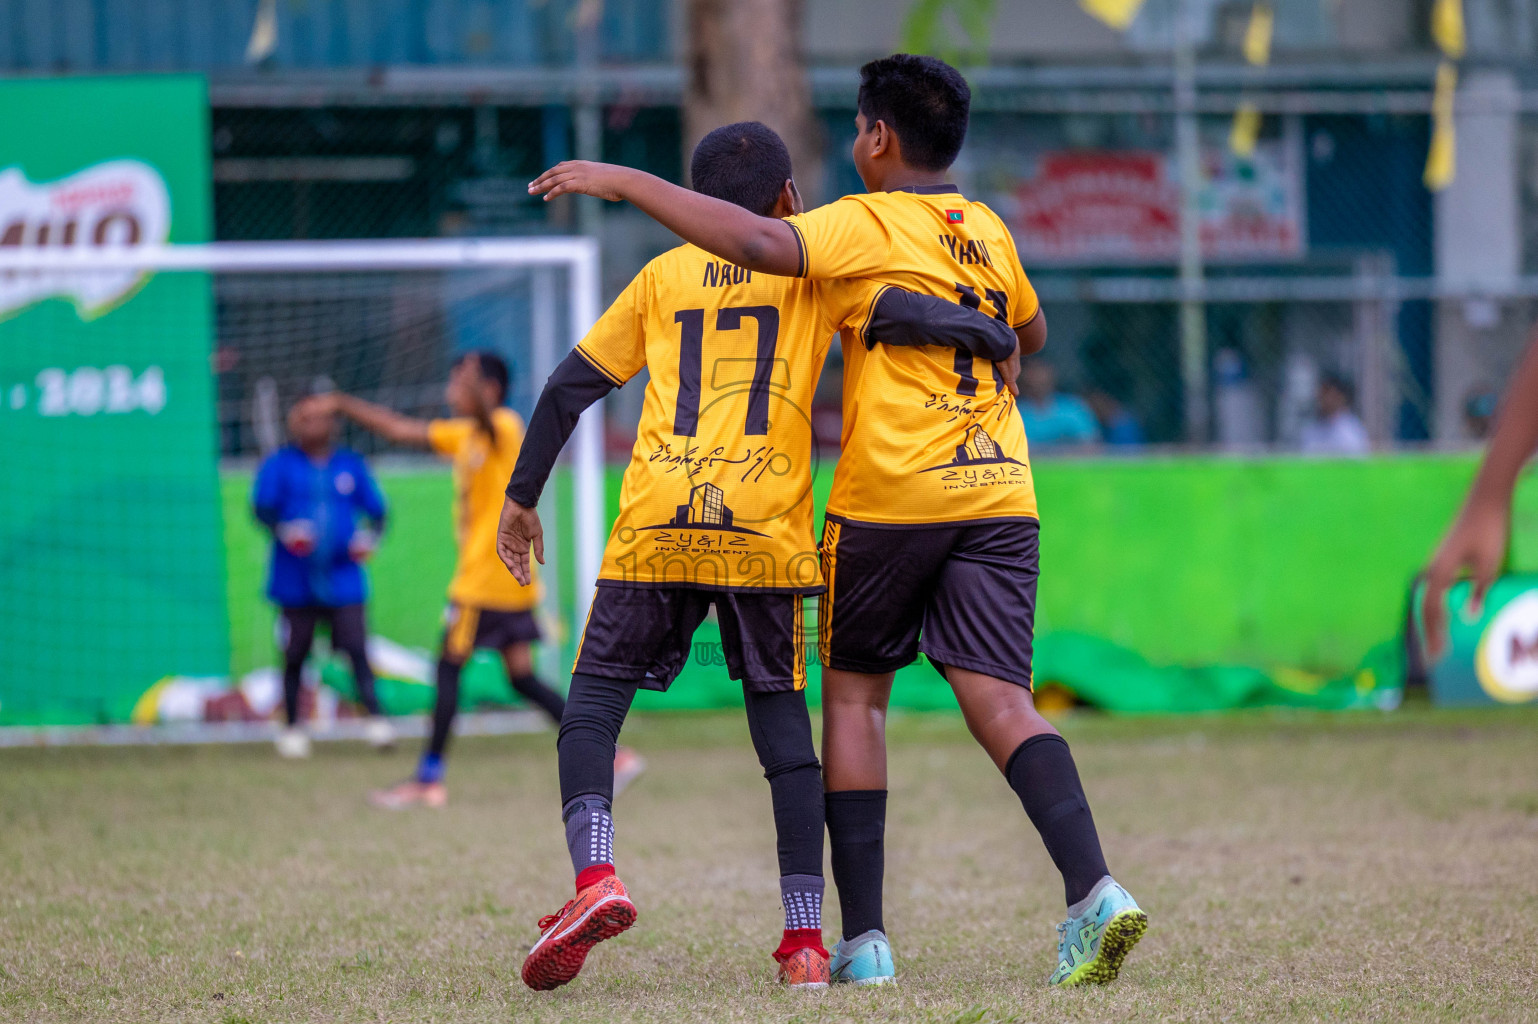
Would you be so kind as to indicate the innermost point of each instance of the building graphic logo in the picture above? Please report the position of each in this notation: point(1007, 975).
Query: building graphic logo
point(706, 509)
point(977, 448)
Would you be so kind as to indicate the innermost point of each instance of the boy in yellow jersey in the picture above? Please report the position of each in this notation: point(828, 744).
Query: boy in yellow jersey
point(487, 608)
point(931, 537)
point(715, 509)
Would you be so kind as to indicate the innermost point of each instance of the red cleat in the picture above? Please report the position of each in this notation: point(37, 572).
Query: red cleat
point(805, 969)
point(600, 911)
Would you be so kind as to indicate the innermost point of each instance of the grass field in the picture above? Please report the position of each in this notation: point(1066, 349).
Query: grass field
point(1296, 867)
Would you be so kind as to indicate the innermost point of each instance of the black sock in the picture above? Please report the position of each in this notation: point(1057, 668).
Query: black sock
point(1042, 774)
point(363, 680)
point(595, 711)
point(349, 634)
point(857, 836)
point(293, 679)
point(532, 689)
point(782, 737)
point(445, 707)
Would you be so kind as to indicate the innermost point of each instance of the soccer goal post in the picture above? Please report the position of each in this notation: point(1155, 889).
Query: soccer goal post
point(141, 385)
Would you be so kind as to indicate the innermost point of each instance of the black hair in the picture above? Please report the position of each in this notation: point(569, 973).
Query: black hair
point(493, 368)
point(744, 163)
point(1340, 383)
point(923, 100)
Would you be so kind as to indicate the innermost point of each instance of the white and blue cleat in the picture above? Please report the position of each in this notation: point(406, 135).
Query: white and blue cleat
point(865, 959)
point(1094, 941)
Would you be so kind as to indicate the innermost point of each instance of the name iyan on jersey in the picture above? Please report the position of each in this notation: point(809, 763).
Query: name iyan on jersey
point(967, 250)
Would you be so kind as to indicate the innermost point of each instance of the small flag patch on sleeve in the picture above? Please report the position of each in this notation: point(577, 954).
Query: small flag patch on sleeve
point(954, 216)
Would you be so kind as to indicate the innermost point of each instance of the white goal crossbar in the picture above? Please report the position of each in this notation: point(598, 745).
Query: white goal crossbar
point(579, 256)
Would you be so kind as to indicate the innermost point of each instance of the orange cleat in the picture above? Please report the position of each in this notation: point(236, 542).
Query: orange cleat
point(600, 911)
point(410, 793)
point(805, 968)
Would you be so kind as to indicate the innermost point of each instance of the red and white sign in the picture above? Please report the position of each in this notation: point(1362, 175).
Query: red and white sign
point(1123, 206)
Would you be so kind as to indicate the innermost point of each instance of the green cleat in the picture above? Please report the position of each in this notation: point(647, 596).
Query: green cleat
point(1092, 944)
point(865, 959)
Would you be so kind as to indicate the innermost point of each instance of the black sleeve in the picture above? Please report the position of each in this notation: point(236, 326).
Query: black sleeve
point(575, 385)
point(907, 318)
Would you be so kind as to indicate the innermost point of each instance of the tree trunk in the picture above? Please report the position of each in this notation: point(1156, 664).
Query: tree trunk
point(745, 64)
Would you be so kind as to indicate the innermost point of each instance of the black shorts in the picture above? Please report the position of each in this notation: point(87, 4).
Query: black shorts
point(963, 593)
point(646, 633)
point(467, 628)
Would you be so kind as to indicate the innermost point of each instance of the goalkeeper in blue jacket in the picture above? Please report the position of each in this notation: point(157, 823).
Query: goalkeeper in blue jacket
point(326, 514)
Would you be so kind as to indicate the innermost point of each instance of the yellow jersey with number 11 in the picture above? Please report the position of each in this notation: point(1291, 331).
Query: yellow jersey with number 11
point(931, 435)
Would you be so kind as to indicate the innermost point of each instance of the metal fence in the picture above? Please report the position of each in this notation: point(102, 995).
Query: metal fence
point(1324, 255)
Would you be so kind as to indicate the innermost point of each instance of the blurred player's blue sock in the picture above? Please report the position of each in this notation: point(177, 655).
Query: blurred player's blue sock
point(430, 768)
point(857, 839)
point(1042, 773)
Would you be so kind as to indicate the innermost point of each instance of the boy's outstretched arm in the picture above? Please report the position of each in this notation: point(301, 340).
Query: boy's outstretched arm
point(575, 385)
point(1479, 536)
point(721, 228)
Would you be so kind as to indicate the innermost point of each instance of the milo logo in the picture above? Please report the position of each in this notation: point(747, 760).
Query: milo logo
point(1507, 659)
point(111, 205)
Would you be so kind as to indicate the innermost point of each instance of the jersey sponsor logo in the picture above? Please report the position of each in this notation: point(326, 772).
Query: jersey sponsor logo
point(109, 206)
point(966, 251)
point(719, 274)
point(705, 509)
point(345, 483)
point(979, 461)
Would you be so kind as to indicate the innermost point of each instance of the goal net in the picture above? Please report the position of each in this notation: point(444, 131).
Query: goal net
point(141, 387)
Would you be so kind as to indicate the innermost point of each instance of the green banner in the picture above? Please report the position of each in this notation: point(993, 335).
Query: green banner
point(1168, 585)
point(111, 549)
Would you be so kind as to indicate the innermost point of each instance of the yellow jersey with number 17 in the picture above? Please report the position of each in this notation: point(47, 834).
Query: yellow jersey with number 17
point(718, 493)
point(931, 435)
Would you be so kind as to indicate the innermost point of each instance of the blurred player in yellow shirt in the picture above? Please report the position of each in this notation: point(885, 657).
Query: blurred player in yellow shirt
point(930, 542)
point(487, 609)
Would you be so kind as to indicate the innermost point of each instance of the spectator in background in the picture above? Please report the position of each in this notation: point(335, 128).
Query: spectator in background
point(1335, 428)
point(1053, 417)
point(1117, 424)
point(325, 513)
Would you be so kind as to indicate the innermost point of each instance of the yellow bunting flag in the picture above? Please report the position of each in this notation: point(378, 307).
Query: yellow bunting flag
point(1246, 130)
point(264, 32)
point(1447, 27)
point(1257, 36)
point(1442, 160)
point(1116, 13)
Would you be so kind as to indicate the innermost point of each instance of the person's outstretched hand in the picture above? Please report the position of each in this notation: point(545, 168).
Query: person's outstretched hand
point(518, 532)
point(1476, 543)
point(581, 177)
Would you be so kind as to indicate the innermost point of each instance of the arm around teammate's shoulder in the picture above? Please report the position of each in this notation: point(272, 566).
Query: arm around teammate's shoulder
point(901, 317)
point(720, 228)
